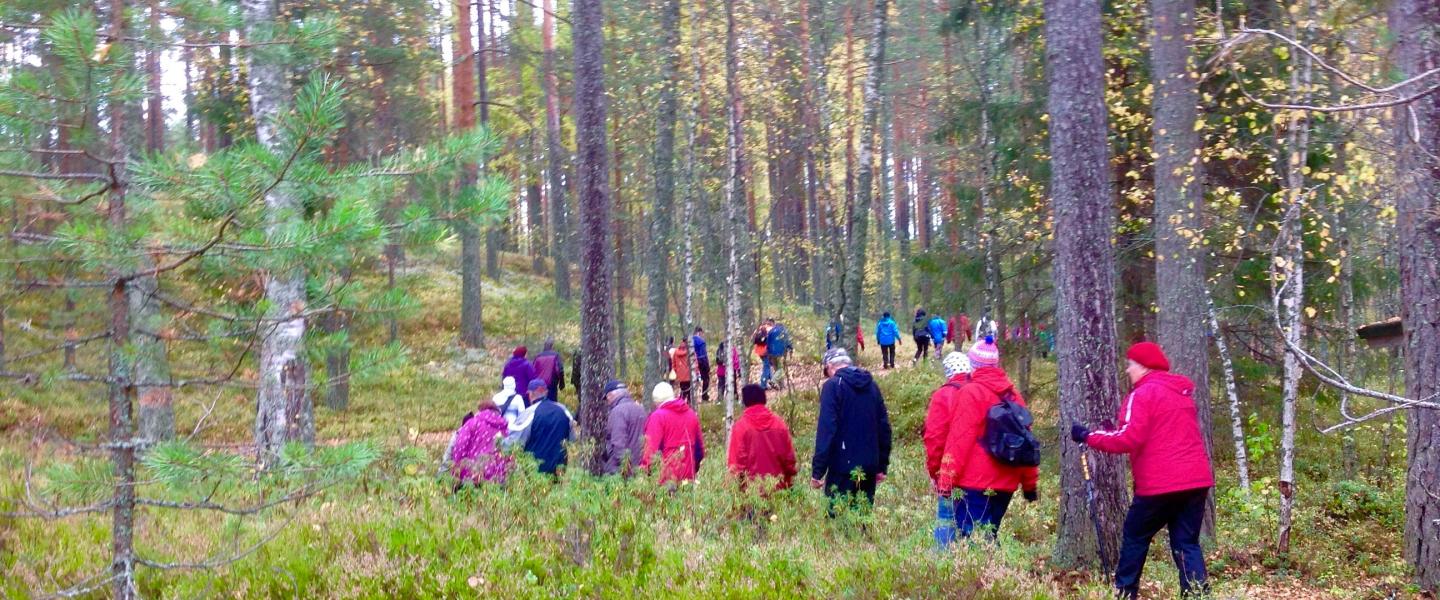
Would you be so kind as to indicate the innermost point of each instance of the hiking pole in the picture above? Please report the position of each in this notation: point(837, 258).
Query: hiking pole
point(1093, 498)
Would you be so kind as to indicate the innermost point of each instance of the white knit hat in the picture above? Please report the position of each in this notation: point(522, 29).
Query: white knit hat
point(662, 393)
point(957, 363)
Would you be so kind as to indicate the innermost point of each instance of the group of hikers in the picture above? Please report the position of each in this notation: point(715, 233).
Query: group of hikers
point(979, 449)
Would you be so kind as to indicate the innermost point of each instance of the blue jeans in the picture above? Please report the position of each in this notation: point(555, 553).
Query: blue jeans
point(1181, 512)
point(944, 523)
point(975, 509)
point(765, 371)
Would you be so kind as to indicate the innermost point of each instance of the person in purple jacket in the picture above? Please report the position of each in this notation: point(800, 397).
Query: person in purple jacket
point(476, 454)
point(518, 367)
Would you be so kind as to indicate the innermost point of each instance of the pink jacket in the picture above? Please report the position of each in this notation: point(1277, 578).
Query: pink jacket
point(1158, 428)
point(477, 453)
point(673, 431)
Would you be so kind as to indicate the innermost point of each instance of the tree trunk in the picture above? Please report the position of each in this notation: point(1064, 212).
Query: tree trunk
point(657, 259)
point(734, 200)
point(559, 231)
point(854, 301)
point(154, 108)
point(122, 390)
point(1415, 24)
point(1084, 268)
point(283, 406)
point(494, 234)
point(1237, 419)
point(596, 294)
point(1179, 253)
point(472, 331)
point(1291, 250)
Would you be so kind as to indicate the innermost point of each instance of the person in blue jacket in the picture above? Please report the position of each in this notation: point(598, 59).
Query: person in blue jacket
point(852, 435)
point(887, 334)
point(937, 333)
point(545, 426)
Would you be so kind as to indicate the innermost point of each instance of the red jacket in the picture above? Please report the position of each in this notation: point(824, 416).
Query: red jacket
point(1160, 432)
point(760, 446)
point(965, 463)
point(673, 431)
point(937, 422)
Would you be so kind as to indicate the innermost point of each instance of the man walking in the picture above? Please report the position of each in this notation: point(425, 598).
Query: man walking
point(550, 426)
point(1158, 428)
point(852, 435)
point(625, 428)
point(920, 332)
point(673, 432)
point(702, 362)
point(550, 368)
point(937, 333)
point(761, 450)
point(887, 333)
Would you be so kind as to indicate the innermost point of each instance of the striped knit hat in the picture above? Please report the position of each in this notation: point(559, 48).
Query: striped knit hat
point(984, 353)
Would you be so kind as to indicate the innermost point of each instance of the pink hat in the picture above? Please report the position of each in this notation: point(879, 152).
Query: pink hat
point(984, 353)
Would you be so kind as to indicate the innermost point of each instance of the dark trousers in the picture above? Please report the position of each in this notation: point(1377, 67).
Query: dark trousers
point(922, 348)
point(684, 389)
point(1180, 512)
point(703, 363)
point(842, 490)
point(977, 509)
point(887, 355)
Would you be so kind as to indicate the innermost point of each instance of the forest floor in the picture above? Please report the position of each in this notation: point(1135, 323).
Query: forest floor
point(399, 533)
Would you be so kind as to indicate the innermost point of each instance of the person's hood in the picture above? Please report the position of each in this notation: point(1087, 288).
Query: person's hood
point(993, 378)
point(676, 405)
point(516, 360)
point(549, 346)
point(760, 417)
point(855, 377)
point(506, 392)
point(887, 319)
point(1177, 383)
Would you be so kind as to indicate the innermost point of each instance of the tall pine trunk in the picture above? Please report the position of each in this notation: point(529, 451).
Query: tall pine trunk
point(597, 323)
point(657, 258)
point(1084, 268)
point(472, 332)
point(554, 152)
point(284, 411)
point(1416, 25)
point(854, 300)
point(1179, 253)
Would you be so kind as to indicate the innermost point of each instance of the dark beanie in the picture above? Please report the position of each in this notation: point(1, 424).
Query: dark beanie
point(751, 395)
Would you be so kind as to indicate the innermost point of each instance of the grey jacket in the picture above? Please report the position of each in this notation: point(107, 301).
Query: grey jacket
point(625, 441)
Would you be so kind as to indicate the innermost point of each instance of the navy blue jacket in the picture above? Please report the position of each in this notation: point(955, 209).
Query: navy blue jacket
point(549, 431)
point(853, 429)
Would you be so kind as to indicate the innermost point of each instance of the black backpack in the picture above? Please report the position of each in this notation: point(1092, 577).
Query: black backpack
point(1007, 436)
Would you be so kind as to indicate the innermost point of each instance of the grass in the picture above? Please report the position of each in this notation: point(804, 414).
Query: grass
point(398, 532)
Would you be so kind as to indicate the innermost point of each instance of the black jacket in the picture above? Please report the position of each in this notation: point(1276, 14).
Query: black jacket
point(853, 429)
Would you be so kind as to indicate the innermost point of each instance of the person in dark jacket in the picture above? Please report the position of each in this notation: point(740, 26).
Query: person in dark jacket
point(625, 430)
point(920, 332)
point(852, 434)
point(549, 426)
point(519, 368)
point(887, 333)
point(701, 352)
point(761, 450)
point(550, 368)
point(1159, 429)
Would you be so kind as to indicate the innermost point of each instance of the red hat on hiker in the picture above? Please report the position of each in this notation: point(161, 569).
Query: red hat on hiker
point(1149, 355)
point(520, 352)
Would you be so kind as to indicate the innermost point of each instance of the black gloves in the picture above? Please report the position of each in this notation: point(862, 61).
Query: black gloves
point(1078, 433)
point(1032, 495)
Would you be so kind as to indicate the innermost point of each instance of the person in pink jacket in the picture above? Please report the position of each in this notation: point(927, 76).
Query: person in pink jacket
point(1159, 429)
point(476, 453)
point(673, 432)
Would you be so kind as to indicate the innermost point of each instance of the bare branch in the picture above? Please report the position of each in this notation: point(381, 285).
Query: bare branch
point(54, 176)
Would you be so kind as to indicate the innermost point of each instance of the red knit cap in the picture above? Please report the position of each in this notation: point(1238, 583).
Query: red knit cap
point(519, 352)
point(1149, 355)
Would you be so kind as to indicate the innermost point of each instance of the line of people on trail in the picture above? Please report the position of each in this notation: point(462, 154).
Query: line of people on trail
point(979, 447)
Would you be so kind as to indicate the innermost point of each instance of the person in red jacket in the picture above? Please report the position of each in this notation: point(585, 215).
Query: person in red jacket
point(673, 432)
point(985, 484)
point(761, 449)
point(937, 429)
point(1159, 429)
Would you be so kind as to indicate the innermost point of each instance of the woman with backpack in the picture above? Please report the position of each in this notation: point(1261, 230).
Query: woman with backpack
point(937, 431)
point(978, 475)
